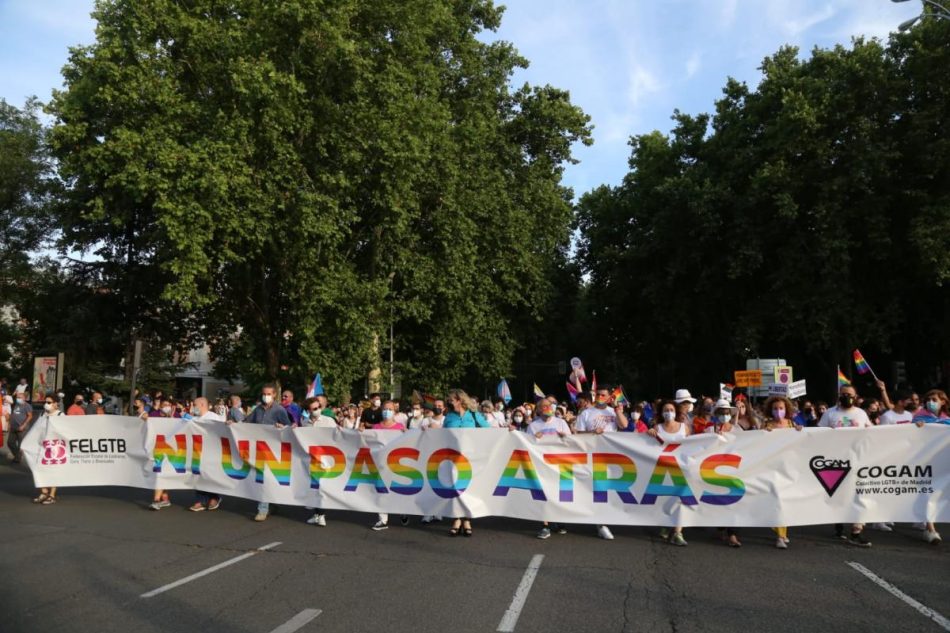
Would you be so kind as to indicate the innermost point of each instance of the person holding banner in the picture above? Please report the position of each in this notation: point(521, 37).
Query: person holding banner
point(201, 411)
point(315, 414)
point(746, 419)
point(599, 419)
point(779, 411)
point(47, 496)
point(273, 414)
point(673, 429)
point(388, 423)
point(846, 415)
point(462, 414)
point(166, 410)
point(722, 422)
point(936, 410)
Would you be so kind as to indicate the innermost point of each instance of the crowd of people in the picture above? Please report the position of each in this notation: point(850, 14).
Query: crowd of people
point(597, 412)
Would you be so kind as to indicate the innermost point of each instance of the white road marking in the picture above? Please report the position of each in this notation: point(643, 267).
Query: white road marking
point(510, 618)
point(297, 621)
point(205, 572)
point(927, 611)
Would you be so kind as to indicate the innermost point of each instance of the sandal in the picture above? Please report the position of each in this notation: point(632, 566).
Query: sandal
point(467, 531)
point(456, 528)
point(48, 501)
point(40, 499)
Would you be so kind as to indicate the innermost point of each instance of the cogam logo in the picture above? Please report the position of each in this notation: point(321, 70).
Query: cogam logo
point(829, 472)
point(54, 452)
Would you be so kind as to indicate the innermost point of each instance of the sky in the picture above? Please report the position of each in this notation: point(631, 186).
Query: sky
point(627, 63)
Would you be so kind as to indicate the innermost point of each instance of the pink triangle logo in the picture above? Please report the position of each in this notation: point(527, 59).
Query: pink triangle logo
point(829, 472)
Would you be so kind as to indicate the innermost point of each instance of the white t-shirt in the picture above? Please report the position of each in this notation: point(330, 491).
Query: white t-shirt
point(836, 418)
point(432, 423)
point(21, 388)
point(675, 436)
point(893, 417)
point(211, 416)
point(593, 418)
point(500, 420)
point(323, 422)
point(549, 428)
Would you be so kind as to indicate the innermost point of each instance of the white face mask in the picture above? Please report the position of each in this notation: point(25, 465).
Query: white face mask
point(267, 398)
point(669, 416)
point(47, 407)
point(725, 417)
point(167, 410)
point(376, 403)
point(635, 416)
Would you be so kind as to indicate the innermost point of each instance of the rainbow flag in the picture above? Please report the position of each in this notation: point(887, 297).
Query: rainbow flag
point(428, 401)
point(503, 391)
point(316, 387)
point(842, 380)
point(861, 364)
point(572, 391)
point(619, 396)
point(538, 394)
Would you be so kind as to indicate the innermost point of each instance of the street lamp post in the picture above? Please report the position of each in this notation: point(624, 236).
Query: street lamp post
point(929, 8)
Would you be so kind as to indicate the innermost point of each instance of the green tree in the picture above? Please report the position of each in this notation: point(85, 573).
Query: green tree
point(805, 218)
point(287, 180)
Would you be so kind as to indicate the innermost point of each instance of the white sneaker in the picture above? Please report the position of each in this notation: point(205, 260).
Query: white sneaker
point(260, 516)
point(604, 532)
point(932, 537)
point(677, 539)
point(158, 505)
point(318, 519)
point(380, 526)
point(427, 519)
point(881, 527)
point(544, 533)
point(780, 543)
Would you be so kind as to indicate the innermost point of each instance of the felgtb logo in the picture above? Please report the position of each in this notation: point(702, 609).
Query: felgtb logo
point(54, 452)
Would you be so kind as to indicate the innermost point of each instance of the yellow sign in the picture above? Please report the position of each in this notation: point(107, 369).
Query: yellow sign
point(749, 378)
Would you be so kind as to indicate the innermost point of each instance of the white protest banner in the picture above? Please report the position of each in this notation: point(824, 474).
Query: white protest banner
point(797, 389)
point(898, 473)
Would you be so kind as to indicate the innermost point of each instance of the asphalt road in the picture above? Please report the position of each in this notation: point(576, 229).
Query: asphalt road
point(83, 564)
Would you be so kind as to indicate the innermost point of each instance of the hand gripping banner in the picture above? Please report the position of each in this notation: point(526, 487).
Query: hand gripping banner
point(758, 478)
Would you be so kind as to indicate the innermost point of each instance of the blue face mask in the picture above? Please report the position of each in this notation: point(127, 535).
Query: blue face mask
point(933, 406)
point(387, 414)
point(305, 414)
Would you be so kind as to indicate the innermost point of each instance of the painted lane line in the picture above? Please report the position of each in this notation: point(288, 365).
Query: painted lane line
point(297, 621)
point(924, 610)
point(510, 618)
point(205, 572)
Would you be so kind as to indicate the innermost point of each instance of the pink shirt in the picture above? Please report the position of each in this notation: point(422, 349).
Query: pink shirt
point(396, 426)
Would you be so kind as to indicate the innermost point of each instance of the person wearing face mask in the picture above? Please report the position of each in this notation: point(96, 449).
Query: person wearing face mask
point(78, 407)
point(806, 414)
point(47, 496)
point(518, 422)
point(415, 417)
point(722, 421)
point(672, 429)
point(388, 423)
point(165, 409)
point(95, 405)
point(268, 412)
point(201, 412)
point(778, 411)
point(374, 414)
point(846, 415)
point(598, 419)
point(432, 419)
point(872, 406)
point(636, 423)
point(138, 409)
point(21, 414)
point(935, 410)
point(548, 425)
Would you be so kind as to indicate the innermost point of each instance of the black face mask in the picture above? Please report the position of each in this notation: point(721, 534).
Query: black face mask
point(846, 401)
point(438, 410)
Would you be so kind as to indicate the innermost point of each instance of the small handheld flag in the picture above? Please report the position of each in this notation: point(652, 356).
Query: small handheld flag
point(577, 368)
point(316, 387)
point(593, 381)
point(619, 396)
point(428, 401)
point(862, 365)
point(572, 391)
point(842, 380)
point(538, 394)
point(503, 391)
